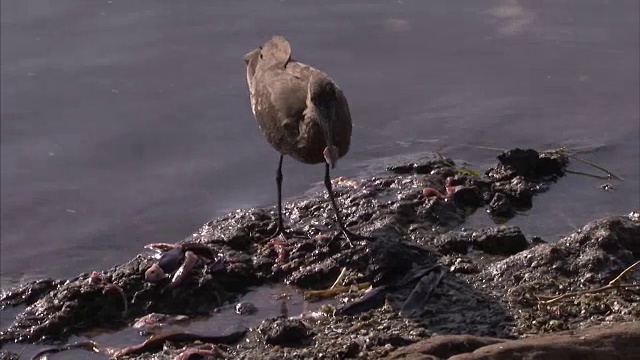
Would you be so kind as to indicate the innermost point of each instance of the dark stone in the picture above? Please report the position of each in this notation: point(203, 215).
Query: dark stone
point(503, 240)
point(426, 167)
point(245, 308)
point(530, 164)
point(467, 196)
point(518, 191)
point(285, 332)
point(501, 207)
point(28, 293)
point(552, 164)
point(457, 242)
point(523, 162)
point(464, 268)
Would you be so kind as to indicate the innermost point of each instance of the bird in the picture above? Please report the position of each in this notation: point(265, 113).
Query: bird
point(302, 113)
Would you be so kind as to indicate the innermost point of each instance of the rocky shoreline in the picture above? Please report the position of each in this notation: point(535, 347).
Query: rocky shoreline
point(416, 289)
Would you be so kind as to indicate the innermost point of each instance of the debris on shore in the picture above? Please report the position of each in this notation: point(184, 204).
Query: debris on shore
point(418, 282)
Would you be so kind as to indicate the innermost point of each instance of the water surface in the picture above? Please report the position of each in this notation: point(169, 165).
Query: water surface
point(128, 122)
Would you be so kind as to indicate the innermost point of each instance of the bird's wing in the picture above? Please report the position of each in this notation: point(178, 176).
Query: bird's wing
point(288, 88)
point(287, 94)
point(303, 72)
point(283, 97)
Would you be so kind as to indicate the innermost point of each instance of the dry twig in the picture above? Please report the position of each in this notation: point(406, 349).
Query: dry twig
point(613, 284)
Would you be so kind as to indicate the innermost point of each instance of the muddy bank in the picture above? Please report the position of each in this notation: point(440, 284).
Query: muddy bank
point(411, 279)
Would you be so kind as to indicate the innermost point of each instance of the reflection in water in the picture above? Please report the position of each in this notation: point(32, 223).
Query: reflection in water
point(513, 17)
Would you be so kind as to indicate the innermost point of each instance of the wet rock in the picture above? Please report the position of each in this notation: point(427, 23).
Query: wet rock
point(498, 302)
point(154, 321)
point(619, 341)
point(80, 305)
point(502, 240)
point(469, 196)
point(529, 164)
point(245, 308)
point(453, 242)
point(501, 207)
point(522, 174)
point(285, 332)
point(426, 166)
point(522, 162)
point(518, 191)
point(464, 267)
point(403, 228)
point(28, 293)
point(588, 258)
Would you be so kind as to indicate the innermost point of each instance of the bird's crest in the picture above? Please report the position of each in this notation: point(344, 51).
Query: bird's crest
point(276, 51)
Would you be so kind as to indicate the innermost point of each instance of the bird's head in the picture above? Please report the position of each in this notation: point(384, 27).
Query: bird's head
point(251, 62)
point(322, 97)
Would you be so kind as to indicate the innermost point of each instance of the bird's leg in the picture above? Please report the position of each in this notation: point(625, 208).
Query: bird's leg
point(280, 227)
point(348, 234)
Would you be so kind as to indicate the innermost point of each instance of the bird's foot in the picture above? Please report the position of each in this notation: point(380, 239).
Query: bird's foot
point(278, 234)
point(351, 237)
point(279, 238)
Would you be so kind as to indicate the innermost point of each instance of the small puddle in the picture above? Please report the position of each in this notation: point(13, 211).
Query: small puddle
point(272, 300)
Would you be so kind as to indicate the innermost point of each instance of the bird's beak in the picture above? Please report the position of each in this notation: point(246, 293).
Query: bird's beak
point(330, 152)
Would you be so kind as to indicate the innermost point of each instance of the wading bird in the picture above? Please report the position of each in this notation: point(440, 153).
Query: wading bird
point(301, 112)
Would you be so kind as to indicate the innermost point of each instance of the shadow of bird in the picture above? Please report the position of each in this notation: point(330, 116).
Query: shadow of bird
point(301, 112)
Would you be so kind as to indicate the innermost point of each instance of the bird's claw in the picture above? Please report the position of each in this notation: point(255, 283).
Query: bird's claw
point(279, 234)
point(351, 237)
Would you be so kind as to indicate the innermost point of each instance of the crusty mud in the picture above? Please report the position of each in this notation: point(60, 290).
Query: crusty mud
point(414, 279)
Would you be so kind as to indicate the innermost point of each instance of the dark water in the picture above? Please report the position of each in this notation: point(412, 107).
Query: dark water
point(128, 122)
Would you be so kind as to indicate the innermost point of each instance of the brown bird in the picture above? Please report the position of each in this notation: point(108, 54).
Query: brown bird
point(302, 113)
